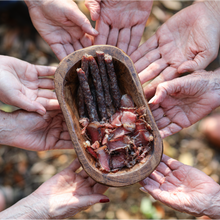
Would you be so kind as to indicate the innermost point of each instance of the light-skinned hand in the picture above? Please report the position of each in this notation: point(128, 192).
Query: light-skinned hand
point(188, 41)
point(182, 102)
point(21, 85)
point(61, 24)
point(183, 188)
point(119, 23)
point(62, 196)
point(32, 131)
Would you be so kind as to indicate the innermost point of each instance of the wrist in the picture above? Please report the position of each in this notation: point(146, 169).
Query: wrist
point(214, 7)
point(213, 210)
point(215, 86)
point(31, 207)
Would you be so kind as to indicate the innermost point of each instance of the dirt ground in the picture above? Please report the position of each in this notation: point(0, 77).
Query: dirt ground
point(26, 170)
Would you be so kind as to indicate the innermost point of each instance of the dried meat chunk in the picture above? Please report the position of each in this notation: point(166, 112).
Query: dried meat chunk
point(117, 145)
point(118, 160)
point(87, 95)
point(128, 120)
point(115, 119)
point(126, 101)
point(103, 158)
point(94, 131)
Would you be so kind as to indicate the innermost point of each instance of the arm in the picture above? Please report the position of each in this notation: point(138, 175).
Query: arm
point(32, 131)
point(188, 41)
point(183, 188)
point(61, 24)
point(182, 102)
point(27, 86)
point(120, 23)
point(62, 196)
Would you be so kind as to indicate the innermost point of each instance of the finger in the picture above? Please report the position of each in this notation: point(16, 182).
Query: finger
point(48, 104)
point(64, 126)
point(124, 39)
point(170, 129)
point(86, 41)
point(62, 144)
point(89, 200)
point(136, 34)
point(150, 184)
point(200, 62)
point(99, 188)
point(103, 30)
point(166, 75)
point(163, 122)
point(113, 37)
point(150, 44)
point(59, 50)
point(158, 177)
point(153, 106)
point(146, 60)
point(158, 114)
point(170, 162)
point(68, 48)
point(45, 70)
point(44, 93)
point(152, 70)
point(83, 174)
point(77, 17)
point(77, 45)
point(75, 165)
point(65, 136)
point(94, 8)
point(46, 83)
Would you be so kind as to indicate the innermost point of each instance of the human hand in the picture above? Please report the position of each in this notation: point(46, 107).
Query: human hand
point(188, 41)
point(182, 102)
point(119, 23)
point(61, 24)
point(183, 188)
point(62, 196)
point(32, 131)
point(21, 86)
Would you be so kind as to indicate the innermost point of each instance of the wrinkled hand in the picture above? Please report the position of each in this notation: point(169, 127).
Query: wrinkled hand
point(32, 131)
point(119, 23)
point(188, 41)
point(182, 102)
point(21, 86)
point(62, 196)
point(61, 24)
point(183, 188)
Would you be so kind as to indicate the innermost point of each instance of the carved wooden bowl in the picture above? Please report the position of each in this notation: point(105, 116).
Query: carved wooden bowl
point(66, 85)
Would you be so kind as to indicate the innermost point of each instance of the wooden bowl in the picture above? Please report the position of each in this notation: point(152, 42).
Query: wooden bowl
point(66, 84)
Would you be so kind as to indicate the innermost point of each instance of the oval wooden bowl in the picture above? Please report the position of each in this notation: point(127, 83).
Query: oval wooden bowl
point(66, 85)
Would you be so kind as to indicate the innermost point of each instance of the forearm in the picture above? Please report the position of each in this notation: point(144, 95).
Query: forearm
point(28, 208)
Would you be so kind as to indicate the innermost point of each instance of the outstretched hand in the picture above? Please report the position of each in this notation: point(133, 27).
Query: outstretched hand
point(62, 196)
point(21, 86)
point(188, 41)
point(62, 25)
point(119, 23)
point(32, 131)
point(183, 188)
point(182, 102)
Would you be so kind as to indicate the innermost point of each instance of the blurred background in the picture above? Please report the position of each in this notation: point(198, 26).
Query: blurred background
point(26, 170)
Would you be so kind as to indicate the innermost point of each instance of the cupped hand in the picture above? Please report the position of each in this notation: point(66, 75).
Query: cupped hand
point(68, 192)
point(32, 131)
point(61, 24)
point(182, 102)
point(188, 41)
point(21, 86)
point(183, 188)
point(119, 23)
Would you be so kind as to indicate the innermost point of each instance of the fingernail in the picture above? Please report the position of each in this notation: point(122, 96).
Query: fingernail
point(143, 190)
point(152, 100)
point(104, 200)
point(41, 112)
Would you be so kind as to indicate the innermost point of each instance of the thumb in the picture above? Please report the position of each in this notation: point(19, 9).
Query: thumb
point(201, 61)
point(23, 102)
point(94, 8)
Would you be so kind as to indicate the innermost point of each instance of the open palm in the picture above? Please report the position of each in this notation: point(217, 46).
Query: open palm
point(188, 41)
point(21, 85)
point(182, 102)
point(71, 191)
point(32, 131)
point(119, 23)
point(182, 187)
point(61, 24)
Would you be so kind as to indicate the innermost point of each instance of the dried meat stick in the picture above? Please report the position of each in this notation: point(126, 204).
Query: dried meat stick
point(81, 102)
point(94, 70)
point(116, 95)
point(87, 95)
point(104, 77)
